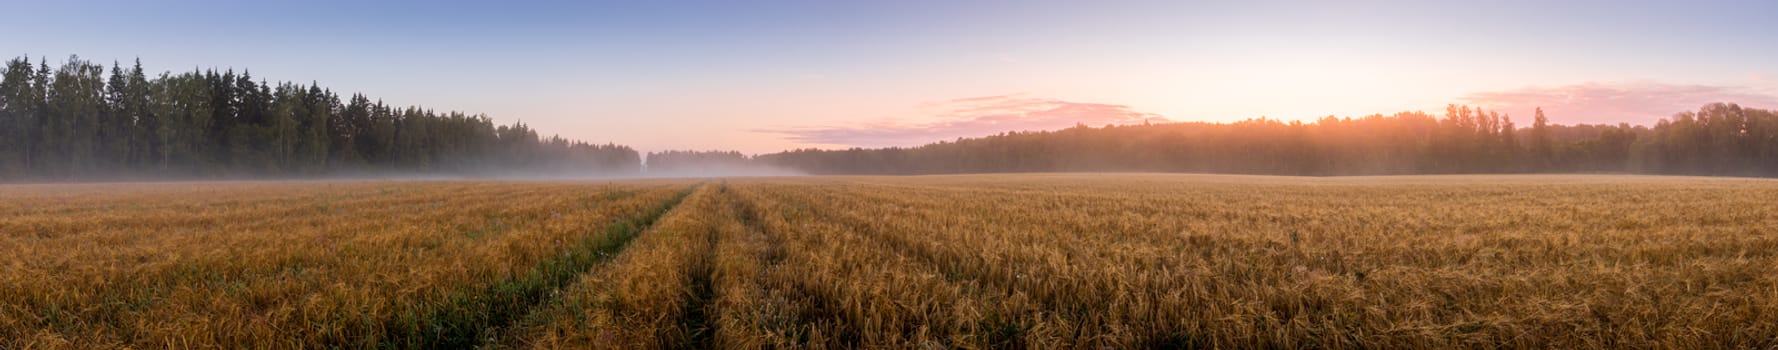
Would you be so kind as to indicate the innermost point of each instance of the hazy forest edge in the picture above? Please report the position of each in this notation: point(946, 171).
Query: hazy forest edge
point(75, 122)
point(79, 122)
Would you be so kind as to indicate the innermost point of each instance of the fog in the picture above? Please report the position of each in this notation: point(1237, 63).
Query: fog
point(684, 164)
point(691, 170)
point(721, 170)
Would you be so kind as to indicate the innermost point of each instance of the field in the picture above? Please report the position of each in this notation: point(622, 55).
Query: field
point(976, 261)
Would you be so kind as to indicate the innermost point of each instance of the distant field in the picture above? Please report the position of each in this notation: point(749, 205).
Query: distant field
point(971, 261)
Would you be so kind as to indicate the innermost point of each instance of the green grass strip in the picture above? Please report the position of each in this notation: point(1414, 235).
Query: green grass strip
point(470, 318)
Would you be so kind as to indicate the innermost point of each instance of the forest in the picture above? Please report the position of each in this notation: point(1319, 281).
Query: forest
point(75, 122)
point(1717, 139)
point(677, 163)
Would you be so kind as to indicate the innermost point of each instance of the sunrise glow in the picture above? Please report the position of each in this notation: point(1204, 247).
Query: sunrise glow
point(735, 75)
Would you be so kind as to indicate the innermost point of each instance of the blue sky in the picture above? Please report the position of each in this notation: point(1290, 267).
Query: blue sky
point(763, 76)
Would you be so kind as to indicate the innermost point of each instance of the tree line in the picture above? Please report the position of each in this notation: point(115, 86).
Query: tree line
point(1717, 139)
point(78, 122)
point(708, 163)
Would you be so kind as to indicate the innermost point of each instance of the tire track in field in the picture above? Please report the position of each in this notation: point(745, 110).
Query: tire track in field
point(1087, 314)
point(775, 254)
point(476, 317)
point(962, 268)
point(698, 323)
point(997, 332)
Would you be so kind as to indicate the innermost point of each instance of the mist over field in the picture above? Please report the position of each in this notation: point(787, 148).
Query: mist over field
point(907, 174)
point(1009, 260)
point(77, 123)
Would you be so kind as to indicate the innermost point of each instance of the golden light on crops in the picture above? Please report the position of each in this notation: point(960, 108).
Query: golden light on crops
point(977, 261)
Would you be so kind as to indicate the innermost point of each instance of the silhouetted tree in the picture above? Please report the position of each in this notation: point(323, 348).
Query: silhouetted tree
point(1719, 139)
point(76, 123)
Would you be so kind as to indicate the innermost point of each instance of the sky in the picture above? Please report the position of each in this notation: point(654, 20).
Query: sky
point(765, 76)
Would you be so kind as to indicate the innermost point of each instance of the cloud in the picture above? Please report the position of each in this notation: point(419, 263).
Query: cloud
point(1641, 102)
point(970, 117)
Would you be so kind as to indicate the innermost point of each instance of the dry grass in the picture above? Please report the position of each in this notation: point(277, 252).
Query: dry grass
point(990, 261)
point(643, 298)
point(1232, 261)
point(288, 265)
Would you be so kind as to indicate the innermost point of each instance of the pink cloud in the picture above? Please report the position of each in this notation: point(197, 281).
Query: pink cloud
point(1634, 102)
point(971, 117)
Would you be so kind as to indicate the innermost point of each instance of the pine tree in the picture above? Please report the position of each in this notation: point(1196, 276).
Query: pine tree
point(17, 113)
point(76, 103)
point(116, 122)
point(284, 113)
point(41, 137)
point(1542, 147)
point(314, 130)
point(136, 105)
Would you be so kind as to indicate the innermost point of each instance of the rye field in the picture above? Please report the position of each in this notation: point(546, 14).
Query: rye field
point(972, 261)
